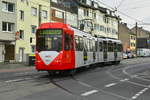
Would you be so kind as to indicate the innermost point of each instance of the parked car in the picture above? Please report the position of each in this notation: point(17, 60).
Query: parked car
point(125, 56)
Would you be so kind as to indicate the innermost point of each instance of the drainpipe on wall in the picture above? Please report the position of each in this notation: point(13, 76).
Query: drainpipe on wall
point(39, 19)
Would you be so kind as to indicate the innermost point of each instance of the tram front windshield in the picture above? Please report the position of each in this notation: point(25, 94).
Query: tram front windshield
point(49, 40)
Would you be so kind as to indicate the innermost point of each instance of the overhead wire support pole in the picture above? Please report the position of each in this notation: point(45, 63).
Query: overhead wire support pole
point(136, 33)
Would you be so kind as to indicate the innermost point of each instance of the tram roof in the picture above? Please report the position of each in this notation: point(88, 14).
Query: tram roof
point(81, 33)
point(109, 39)
point(53, 25)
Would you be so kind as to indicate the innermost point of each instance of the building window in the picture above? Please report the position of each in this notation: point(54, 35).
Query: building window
point(34, 11)
point(134, 44)
point(86, 12)
point(131, 37)
point(83, 1)
point(21, 34)
point(21, 15)
point(33, 48)
point(9, 7)
point(94, 15)
point(105, 19)
point(54, 1)
point(33, 27)
point(30, 39)
point(44, 14)
point(22, 0)
point(7, 27)
point(59, 14)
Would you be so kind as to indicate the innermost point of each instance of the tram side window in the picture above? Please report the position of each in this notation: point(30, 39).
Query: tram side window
point(100, 46)
point(81, 43)
point(105, 45)
point(90, 45)
point(115, 47)
point(68, 42)
point(85, 44)
point(77, 43)
point(110, 47)
point(119, 47)
point(94, 47)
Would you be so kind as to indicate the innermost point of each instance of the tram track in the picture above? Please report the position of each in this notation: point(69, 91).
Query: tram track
point(59, 86)
point(55, 83)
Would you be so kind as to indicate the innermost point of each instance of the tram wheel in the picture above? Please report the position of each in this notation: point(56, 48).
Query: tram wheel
point(118, 62)
point(72, 72)
point(51, 73)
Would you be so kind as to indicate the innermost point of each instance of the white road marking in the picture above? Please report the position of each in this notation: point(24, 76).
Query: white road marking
point(139, 93)
point(28, 78)
point(16, 80)
point(123, 80)
point(134, 97)
point(135, 76)
point(109, 85)
point(84, 84)
point(89, 92)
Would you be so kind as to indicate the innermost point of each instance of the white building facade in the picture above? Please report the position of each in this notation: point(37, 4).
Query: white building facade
point(98, 21)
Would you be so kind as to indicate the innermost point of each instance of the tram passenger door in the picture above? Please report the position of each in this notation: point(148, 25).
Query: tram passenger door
point(115, 52)
point(85, 50)
point(105, 56)
point(69, 55)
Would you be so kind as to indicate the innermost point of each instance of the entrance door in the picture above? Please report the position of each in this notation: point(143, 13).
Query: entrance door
point(21, 53)
point(10, 52)
point(1, 53)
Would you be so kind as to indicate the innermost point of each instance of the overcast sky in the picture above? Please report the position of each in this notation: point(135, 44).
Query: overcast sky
point(137, 9)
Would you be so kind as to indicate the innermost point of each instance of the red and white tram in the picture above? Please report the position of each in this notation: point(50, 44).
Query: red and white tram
point(60, 47)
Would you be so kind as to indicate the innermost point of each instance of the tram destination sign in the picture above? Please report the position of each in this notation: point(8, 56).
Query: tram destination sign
point(50, 31)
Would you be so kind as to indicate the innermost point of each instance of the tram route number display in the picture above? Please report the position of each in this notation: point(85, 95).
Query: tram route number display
point(50, 31)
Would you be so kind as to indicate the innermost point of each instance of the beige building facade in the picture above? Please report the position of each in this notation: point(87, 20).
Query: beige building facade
point(7, 30)
point(128, 38)
point(29, 16)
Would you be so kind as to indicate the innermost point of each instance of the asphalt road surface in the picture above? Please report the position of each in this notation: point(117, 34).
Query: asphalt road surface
point(129, 80)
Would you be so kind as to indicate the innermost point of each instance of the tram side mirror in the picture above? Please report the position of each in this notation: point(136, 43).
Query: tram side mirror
point(82, 27)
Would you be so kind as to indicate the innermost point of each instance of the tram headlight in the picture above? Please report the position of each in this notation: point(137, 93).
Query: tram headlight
point(38, 61)
point(58, 61)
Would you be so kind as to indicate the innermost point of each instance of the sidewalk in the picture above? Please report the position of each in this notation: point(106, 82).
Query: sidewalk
point(14, 67)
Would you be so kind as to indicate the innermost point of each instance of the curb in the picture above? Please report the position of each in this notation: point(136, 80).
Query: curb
point(17, 69)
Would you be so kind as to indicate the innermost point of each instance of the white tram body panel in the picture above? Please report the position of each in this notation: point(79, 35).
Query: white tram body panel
point(96, 56)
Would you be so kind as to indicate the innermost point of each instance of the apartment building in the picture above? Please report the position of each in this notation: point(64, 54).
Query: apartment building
point(30, 13)
point(64, 11)
point(128, 38)
point(132, 42)
point(141, 33)
point(97, 20)
point(85, 15)
point(7, 29)
point(111, 21)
